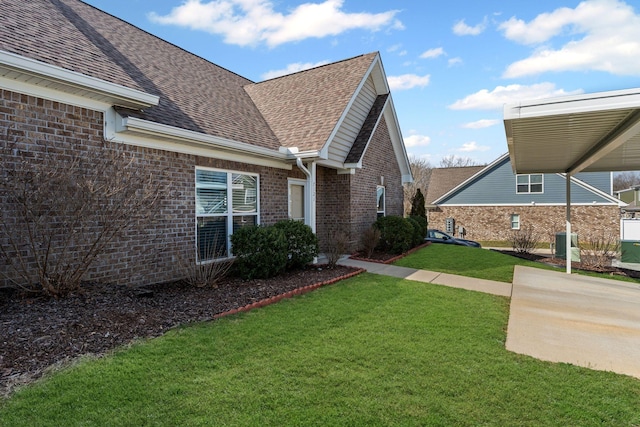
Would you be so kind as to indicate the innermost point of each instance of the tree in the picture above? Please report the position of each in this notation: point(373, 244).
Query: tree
point(453, 161)
point(417, 205)
point(624, 180)
point(421, 171)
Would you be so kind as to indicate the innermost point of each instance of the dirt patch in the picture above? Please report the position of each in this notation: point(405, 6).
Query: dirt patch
point(37, 333)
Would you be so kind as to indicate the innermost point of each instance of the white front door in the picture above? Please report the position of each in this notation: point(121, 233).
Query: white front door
point(297, 205)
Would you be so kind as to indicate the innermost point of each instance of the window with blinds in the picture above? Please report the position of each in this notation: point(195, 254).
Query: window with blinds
point(225, 201)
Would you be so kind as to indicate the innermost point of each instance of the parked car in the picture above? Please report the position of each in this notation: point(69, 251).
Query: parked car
point(437, 236)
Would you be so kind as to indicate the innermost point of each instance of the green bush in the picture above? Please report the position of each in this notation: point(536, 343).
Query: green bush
point(422, 221)
point(396, 234)
point(302, 243)
point(417, 237)
point(261, 252)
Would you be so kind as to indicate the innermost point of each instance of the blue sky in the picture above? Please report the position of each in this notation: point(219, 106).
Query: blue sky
point(451, 65)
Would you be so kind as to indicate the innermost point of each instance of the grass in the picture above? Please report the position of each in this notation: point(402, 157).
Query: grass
point(480, 263)
point(465, 261)
point(369, 351)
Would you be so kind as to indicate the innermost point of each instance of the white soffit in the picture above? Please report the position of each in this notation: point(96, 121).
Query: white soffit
point(585, 133)
point(30, 71)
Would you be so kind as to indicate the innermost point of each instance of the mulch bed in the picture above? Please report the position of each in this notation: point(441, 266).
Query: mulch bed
point(39, 333)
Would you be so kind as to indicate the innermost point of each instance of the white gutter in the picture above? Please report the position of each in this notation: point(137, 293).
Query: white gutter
point(74, 82)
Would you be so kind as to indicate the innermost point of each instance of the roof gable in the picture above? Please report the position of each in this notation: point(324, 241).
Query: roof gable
point(304, 108)
point(443, 180)
point(495, 184)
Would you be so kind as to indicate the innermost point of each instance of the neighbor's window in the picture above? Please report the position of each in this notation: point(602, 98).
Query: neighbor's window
point(381, 202)
point(225, 201)
point(529, 183)
point(515, 222)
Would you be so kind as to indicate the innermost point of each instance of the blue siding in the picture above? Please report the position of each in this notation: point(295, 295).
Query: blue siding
point(498, 186)
point(600, 180)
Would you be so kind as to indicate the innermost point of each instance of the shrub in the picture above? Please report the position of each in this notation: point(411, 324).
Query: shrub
point(417, 205)
point(302, 243)
point(422, 221)
point(261, 252)
point(337, 246)
point(396, 234)
point(417, 237)
point(369, 241)
point(599, 251)
point(524, 240)
point(201, 274)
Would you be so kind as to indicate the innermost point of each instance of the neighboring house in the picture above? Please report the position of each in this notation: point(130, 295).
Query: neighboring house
point(630, 196)
point(491, 202)
point(322, 146)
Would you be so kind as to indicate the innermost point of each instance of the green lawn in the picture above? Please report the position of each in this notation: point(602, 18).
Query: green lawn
point(368, 351)
point(479, 263)
point(465, 261)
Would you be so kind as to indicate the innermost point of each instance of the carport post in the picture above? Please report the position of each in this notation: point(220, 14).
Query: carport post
point(567, 251)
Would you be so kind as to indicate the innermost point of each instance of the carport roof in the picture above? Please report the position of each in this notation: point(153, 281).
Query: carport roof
point(585, 133)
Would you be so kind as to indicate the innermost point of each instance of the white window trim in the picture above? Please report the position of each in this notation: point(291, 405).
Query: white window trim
point(229, 214)
point(384, 200)
point(529, 184)
point(511, 220)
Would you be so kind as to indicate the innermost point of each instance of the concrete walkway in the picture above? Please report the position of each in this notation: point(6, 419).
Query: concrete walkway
point(585, 321)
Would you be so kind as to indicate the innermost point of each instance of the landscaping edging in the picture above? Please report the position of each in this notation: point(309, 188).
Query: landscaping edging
point(390, 260)
point(299, 291)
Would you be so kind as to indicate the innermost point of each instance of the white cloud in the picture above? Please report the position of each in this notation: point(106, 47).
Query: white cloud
point(473, 146)
point(416, 141)
point(433, 53)
point(480, 124)
point(407, 81)
point(605, 36)
point(250, 22)
point(454, 61)
point(462, 29)
point(292, 68)
point(486, 100)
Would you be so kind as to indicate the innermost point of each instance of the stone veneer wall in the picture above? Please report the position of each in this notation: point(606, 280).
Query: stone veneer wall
point(148, 255)
point(347, 203)
point(494, 222)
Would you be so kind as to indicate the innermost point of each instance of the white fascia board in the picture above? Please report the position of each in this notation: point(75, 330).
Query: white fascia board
point(592, 102)
point(593, 189)
point(472, 178)
point(121, 95)
point(243, 152)
point(397, 140)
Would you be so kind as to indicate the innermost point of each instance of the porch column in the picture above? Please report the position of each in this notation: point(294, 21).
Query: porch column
point(568, 232)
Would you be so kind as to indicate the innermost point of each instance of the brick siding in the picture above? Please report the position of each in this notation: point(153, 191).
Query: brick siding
point(494, 222)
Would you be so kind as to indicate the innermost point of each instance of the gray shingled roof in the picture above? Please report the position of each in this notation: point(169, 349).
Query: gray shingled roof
point(304, 108)
point(443, 180)
point(195, 94)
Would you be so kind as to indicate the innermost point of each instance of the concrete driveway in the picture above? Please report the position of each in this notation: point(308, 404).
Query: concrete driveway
point(576, 319)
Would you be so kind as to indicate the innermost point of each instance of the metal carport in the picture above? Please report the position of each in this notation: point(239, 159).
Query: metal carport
point(598, 132)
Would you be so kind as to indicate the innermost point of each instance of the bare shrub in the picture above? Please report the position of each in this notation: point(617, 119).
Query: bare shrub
point(337, 246)
point(201, 273)
point(63, 206)
point(369, 241)
point(524, 240)
point(599, 250)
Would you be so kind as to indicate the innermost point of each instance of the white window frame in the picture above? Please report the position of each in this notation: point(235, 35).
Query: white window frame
point(515, 221)
point(229, 214)
point(384, 201)
point(529, 184)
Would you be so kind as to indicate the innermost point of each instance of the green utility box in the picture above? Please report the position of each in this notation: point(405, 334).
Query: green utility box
point(561, 246)
point(630, 251)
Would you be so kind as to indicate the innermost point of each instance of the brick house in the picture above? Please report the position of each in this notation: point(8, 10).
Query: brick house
point(322, 146)
point(491, 202)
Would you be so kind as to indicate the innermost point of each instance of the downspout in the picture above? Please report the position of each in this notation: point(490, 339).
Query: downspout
point(310, 198)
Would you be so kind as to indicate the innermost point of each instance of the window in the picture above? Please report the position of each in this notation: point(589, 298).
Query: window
point(515, 222)
point(215, 219)
point(529, 183)
point(380, 198)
